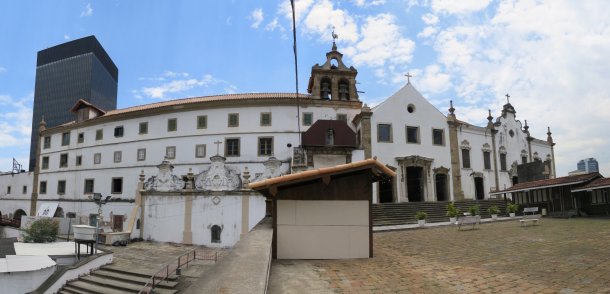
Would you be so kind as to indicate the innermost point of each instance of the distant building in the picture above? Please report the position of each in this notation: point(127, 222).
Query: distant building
point(79, 69)
point(588, 165)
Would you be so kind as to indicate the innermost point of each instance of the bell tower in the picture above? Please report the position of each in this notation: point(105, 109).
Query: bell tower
point(333, 80)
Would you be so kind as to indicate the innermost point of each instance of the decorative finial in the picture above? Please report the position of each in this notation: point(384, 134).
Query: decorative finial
point(548, 131)
point(335, 37)
point(409, 76)
point(489, 117)
point(451, 109)
point(549, 138)
point(507, 98)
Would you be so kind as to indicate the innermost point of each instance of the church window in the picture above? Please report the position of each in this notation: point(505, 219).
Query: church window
point(503, 161)
point(216, 231)
point(266, 119)
point(438, 137)
point(233, 119)
point(143, 128)
point(265, 146)
point(138, 224)
point(411, 108)
point(343, 90)
point(200, 150)
point(511, 133)
point(99, 134)
point(43, 187)
point(117, 186)
point(342, 117)
point(172, 124)
point(61, 187)
point(25, 189)
point(412, 134)
point(170, 152)
point(47, 142)
point(232, 147)
point(384, 133)
point(486, 160)
point(63, 160)
point(79, 160)
point(118, 156)
point(465, 158)
point(202, 122)
point(8, 190)
point(81, 137)
point(45, 162)
point(330, 137)
point(97, 158)
point(65, 139)
point(118, 131)
point(141, 154)
point(89, 186)
point(325, 92)
point(307, 118)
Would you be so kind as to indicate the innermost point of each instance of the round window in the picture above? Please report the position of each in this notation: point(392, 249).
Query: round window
point(411, 108)
point(511, 133)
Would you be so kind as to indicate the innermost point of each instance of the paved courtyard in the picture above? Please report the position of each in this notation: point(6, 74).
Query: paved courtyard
point(557, 256)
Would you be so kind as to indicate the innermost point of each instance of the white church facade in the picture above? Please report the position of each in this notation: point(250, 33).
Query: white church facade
point(436, 156)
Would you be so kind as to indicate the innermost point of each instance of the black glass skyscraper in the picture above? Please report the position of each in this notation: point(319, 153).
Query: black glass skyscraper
point(79, 69)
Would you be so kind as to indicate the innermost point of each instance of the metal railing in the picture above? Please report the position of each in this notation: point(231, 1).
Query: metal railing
point(171, 268)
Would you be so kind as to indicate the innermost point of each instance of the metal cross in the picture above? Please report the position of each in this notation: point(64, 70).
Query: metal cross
point(218, 147)
point(409, 76)
point(507, 100)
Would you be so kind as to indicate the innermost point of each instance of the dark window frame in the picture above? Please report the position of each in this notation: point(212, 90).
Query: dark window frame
point(408, 135)
point(229, 150)
point(113, 185)
point(267, 145)
point(389, 138)
point(466, 158)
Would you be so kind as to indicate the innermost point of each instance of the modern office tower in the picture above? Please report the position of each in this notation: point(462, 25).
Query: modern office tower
point(79, 69)
point(588, 165)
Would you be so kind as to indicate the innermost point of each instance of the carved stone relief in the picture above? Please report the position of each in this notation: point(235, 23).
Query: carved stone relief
point(218, 177)
point(165, 180)
point(272, 170)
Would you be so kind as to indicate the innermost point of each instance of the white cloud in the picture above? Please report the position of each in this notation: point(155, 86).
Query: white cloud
point(274, 25)
point(430, 19)
point(364, 3)
point(434, 80)
point(179, 83)
point(300, 8)
point(323, 17)
point(66, 37)
point(87, 11)
point(459, 7)
point(15, 121)
point(257, 17)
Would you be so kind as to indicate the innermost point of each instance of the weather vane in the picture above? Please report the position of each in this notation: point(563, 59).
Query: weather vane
point(507, 100)
point(335, 36)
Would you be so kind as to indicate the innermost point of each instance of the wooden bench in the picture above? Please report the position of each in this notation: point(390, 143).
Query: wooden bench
point(468, 220)
point(533, 216)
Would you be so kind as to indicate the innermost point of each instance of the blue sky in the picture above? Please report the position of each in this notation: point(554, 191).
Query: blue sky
point(553, 57)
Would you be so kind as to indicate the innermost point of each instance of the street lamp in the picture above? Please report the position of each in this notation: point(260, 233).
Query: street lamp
point(97, 198)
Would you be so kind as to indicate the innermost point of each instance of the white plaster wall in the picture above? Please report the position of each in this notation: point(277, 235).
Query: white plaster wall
point(9, 206)
point(23, 282)
point(257, 210)
point(322, 229)
point(164, 218)
point(326, 160)
point(227, 214)
point(8, 232)
point(477, 137)
point(16, 182)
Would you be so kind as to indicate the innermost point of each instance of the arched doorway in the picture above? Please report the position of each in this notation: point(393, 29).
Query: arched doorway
point(18, 214)
point(385, 190)
point(479, 188)
point(441, 187)
point(415, 188)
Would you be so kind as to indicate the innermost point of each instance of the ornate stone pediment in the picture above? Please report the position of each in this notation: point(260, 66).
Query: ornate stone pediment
point(165, 180)
point(218, 177)
point(272, 169)
point(440, 170)
point(415, 160)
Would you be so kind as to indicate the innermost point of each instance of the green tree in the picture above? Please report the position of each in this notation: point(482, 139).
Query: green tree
point(41, 231)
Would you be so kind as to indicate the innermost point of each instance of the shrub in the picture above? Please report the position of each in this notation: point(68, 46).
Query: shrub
point(512, 207)
point(41, 231)
point(452, 211)
point(421, 215)
point(493, 210)
point(474, 210)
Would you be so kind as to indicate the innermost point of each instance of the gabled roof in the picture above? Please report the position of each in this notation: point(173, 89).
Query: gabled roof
point(599, 183)
point(321, 172)
point(561, 181)
point(82, 103)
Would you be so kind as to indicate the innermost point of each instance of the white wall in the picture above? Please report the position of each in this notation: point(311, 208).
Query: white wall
point(23, 282)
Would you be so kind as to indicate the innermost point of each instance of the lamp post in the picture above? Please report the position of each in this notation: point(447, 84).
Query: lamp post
point(97, 197)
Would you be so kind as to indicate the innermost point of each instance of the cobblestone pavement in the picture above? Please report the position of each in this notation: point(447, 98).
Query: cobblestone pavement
point(557, 256)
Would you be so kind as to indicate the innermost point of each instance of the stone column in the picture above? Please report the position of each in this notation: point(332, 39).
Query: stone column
point(493, 131)
point(365, 131)
point(456, 177)
point(34, 199)
point(549, 140)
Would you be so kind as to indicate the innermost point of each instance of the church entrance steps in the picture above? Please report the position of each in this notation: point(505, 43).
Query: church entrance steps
point(131, 278)
point(390, 214)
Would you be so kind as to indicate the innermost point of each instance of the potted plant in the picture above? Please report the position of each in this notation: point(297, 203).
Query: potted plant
point(452, 212)
point(494, 210)
point(474, 210)
point(421, 218)
point(512, 209)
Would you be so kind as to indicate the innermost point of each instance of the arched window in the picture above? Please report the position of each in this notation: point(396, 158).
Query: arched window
point(343, 90)
point(18, 213)
point(325, 92)
point(138, 224)
point(216, 230)
point(330, 137)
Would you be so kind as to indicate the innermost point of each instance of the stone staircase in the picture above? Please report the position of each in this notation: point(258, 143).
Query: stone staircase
point(114, 280)
point(390, 214)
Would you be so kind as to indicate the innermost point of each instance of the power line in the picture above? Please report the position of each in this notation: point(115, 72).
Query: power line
point(296, 70)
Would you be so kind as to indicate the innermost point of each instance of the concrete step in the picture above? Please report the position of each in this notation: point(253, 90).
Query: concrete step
point(129, 278)
point(123, 286)
point(87, 287)
point(71, 290)
point(139, 273)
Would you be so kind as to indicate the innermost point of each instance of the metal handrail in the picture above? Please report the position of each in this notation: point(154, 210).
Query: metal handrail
point(172, 266)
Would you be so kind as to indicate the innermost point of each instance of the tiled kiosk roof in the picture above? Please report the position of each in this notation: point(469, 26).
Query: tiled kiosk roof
point(561, 181)
point(373, 164)
point(599, 183)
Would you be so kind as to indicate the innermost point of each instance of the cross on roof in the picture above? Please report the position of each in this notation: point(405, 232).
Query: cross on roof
point(409, 76)
point(507, 96)
point(218, 147)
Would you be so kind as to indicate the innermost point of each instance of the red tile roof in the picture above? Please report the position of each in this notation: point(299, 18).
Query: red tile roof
point(318, 173)
point(595, 184)
point(561, 181)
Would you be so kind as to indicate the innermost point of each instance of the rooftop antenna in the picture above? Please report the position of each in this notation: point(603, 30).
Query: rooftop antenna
point(296, 70)
point(16, 167)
